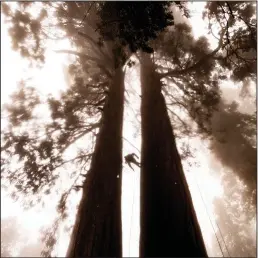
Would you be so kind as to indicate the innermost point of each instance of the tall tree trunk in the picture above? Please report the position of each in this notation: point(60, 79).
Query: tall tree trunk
point(98, 226)
point(169, 226)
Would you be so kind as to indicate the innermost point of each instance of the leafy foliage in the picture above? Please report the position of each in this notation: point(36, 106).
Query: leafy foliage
point(24, 30)
point(134, 24)
point(39, 150)
point(240, 42)
point(49, 238)
point(236, 149)
point(235, 223)
point(194, 88)
point(39, 147)
point(197, 71)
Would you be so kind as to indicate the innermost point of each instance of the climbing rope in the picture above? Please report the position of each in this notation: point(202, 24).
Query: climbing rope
point(132, 145)
point(132, 214)
point(206, 209)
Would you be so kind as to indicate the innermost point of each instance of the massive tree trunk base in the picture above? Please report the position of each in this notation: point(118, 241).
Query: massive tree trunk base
point(169, 227)
point(98, 226)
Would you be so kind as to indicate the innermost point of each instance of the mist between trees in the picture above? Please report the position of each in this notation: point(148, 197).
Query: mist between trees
point(69, 148)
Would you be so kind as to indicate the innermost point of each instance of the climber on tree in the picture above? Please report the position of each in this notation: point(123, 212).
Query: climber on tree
point(130, 158)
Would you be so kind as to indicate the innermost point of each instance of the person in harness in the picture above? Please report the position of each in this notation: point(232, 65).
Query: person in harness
point(130, 158)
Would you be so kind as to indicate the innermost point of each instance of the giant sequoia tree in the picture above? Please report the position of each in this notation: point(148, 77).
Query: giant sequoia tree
point(194, 73)
point(197, 71)
point(164, 191)
point(98, 229)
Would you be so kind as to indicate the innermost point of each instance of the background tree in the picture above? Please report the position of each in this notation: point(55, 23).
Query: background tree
point(242, 160)
point(9, 236)
point(236, 150)
point(14, 242)
point(235, 212)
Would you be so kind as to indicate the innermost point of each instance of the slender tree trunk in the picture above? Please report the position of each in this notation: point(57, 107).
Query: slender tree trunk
point(169, 226)
point(98, 226)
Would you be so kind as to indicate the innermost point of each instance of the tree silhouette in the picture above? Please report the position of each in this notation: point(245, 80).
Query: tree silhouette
point(74, 116)
point(236, 150)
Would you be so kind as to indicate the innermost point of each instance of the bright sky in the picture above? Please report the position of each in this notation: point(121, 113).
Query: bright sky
point(51, 79)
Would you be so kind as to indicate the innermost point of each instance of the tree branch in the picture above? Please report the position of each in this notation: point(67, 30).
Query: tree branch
point(186, 127)
point(73, 52)
point(94, 126)
point(94, 59)
point(94, 45)
point(200, 62)
point(73, 159)
point(87, 13)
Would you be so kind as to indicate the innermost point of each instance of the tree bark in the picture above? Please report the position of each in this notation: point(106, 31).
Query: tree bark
point(98, 226)
point(169, 226)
